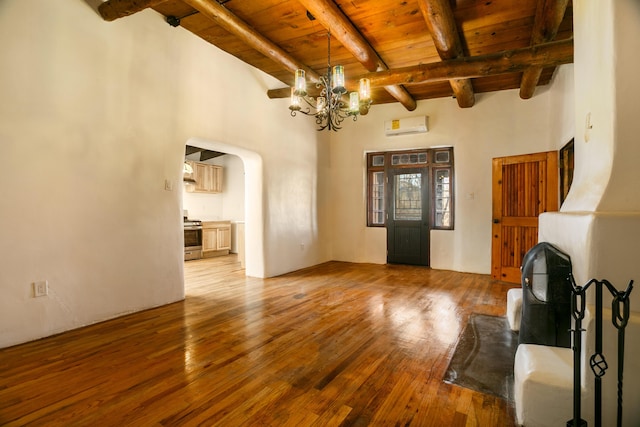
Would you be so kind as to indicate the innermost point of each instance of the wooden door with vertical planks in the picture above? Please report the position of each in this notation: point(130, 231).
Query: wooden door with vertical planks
point(523, 187)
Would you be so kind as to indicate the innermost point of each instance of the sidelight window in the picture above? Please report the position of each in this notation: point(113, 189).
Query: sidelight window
point(442, 198)
point(437, 164)
point(375, 198)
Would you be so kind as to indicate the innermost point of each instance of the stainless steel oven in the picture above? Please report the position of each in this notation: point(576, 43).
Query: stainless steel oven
point(192, 239)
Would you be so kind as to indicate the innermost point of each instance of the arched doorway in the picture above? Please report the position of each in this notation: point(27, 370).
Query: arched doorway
point(253, 206)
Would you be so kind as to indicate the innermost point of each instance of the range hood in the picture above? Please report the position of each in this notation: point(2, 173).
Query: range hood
point(187, 172)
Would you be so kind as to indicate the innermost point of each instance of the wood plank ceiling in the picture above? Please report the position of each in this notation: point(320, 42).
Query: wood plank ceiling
point(411, 50)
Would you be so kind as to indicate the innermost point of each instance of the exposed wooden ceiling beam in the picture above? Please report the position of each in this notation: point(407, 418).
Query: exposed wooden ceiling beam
point(189, 149)
point(437, 14)
point(114, 9)
point(223, 17)
point(230, 22)
point(442, 26)
point(208, 154)
point(204, 154)
point(549, 15)
point(510, 61)
point(332, 18)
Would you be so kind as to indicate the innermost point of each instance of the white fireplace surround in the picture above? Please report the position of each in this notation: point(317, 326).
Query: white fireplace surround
point(598, 225)
point(602, 246)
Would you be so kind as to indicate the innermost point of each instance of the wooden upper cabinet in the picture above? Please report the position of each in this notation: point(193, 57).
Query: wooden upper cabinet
point(208, 178)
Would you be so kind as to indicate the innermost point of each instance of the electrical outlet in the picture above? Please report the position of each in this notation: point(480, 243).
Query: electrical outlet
point(168, 185)
point(40, 288)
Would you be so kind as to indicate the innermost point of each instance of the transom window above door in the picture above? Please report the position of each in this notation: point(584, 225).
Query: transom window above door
point(437, 163)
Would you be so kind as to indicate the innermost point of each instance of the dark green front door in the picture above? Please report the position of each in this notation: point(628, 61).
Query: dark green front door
point(408, 216)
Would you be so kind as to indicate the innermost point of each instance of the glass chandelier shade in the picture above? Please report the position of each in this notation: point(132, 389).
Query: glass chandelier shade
point(329, 108)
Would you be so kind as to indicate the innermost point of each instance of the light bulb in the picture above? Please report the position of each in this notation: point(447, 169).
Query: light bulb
point(300, 83)
point(365, 89)
point(295, 100)
point(338, 79)
point(354, 102)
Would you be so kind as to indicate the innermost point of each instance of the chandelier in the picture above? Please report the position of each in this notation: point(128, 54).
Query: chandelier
point(331, 107)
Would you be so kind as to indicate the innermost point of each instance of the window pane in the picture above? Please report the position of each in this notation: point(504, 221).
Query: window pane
point(377, 197)
point(408, 197)
point(442, 198)
point(408, 158)
point(377, 160)
point(442, 157)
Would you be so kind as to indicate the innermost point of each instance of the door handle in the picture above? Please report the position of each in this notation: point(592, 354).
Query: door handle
point(496, 221)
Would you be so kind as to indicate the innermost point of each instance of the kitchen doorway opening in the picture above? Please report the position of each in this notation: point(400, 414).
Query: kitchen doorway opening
point(253, 210)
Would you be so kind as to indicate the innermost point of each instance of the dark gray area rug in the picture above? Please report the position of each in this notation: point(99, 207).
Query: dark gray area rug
point(483, 359)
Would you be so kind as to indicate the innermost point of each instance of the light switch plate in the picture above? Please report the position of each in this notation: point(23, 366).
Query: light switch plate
point(40, 288)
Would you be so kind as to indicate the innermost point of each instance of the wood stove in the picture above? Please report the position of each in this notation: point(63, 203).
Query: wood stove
point(546, 297)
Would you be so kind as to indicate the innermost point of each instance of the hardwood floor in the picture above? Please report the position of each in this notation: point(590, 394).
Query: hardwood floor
point(335, 344)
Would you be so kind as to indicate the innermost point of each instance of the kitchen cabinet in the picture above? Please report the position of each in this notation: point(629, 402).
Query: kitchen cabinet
point(216, 238)
point(208, 178)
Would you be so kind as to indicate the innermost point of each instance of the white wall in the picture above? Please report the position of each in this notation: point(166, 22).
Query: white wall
point(233, 187)
point(625, 29)
point(599, 223)
point(607, 126)
point(94, 117)
point(499, 124)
